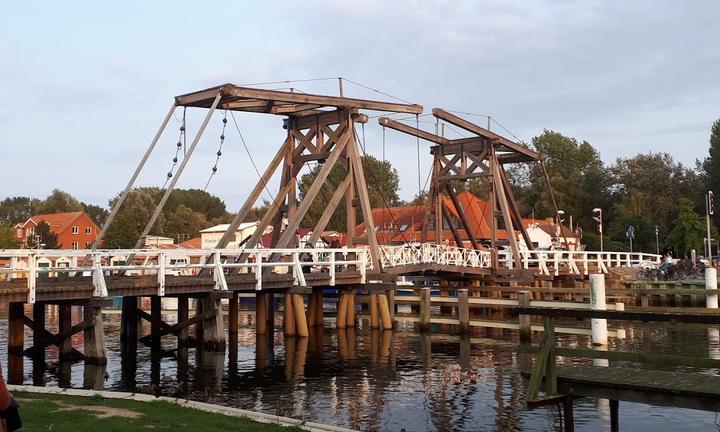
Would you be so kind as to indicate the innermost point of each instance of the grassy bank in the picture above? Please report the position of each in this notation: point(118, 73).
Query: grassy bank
point(69, 413)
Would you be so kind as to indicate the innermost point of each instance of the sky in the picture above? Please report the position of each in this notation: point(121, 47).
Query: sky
point(85, 85)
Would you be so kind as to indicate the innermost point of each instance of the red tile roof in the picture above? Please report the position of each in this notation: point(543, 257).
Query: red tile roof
point(59, 222)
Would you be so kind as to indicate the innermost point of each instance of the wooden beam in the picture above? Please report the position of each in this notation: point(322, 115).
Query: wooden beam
point(463, 217)
point(472, 127)
point(453, 229)
point(392, 124)
point(330, 210)
point(321, 118)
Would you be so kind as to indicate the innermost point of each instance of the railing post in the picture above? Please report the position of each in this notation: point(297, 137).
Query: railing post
point(98, 277)
point(425, 309)
point(363, 266)
point(598, 326)
point(32, 278)
point(711, 300)
point(161, 274)
point(332, 268)
point(524, 321)
point(258, 271)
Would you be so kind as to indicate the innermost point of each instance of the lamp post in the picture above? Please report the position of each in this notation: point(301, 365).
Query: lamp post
point(599, 219)
point(657, 240)
point(709, 210)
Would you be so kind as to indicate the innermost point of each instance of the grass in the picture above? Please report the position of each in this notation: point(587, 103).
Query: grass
point(69, 413)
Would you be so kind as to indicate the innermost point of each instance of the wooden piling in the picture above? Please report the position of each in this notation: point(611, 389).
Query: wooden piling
point(300, 322)
point(260, 312)
point(16, 342)
point(319, 319)
point(374, 322)
point(128, 324)
point(94, 335)
point(155, 319)
point(463, 310)
point(614, 415)
point(233, 315)
point(341, 311)
point(183, 313)
point(424, 309)
point(391, 304)
point(270, 312)
point(350, 305)
point(289, 316)
point(524, 321)
point(39, 332)
point(310, 314)
point(213, 327)
point(568, 415)
point(64, 324)
point(385, 312)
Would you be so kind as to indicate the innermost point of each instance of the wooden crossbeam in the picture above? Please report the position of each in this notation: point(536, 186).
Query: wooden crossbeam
point(199, 98)
point(392, 124)
point(175, 328)
point(50, 339)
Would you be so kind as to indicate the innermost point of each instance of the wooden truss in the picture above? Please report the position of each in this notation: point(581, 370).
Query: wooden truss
point(319, 128)
point(459, 160)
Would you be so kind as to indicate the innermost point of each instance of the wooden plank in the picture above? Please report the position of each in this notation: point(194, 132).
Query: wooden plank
point(392, 124)
point(706, 317)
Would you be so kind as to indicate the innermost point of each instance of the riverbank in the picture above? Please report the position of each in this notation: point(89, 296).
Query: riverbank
point(44, 408)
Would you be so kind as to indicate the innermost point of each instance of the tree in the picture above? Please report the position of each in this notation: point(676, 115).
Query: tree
point(132, 217)
point(688, 231)
point(59, 202)
point(660, 180)
point(96, 213)
point(185, 223)
point(212, 207)
point(383, 188)
point(577, 175)
point(44, 237)
point(7, 237)
point(711, 164)
point(17, 209)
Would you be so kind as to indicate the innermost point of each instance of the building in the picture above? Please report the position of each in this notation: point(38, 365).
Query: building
point(74, 230)
point(157, 242)
point(210, 237)
point(402, 225)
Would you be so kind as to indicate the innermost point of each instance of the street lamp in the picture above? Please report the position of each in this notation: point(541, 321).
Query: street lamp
point(599, 219)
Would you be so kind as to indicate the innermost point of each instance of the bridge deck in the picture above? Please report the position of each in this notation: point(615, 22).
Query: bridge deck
point(682, 389)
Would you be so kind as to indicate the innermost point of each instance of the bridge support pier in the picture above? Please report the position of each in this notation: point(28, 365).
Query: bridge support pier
point(288, 316)
point(213, 325)
point(301, 326)
point(16, 342)
point(94, 337)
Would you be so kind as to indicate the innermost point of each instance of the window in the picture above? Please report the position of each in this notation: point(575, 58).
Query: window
point(87, 244)
point(19, 233)
point(403, 228)
point(88, 230)
point(75, 245)
point(30, 232)
point(75, 229)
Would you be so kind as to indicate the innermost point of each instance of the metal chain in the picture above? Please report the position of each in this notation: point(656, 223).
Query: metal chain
point(218, 153)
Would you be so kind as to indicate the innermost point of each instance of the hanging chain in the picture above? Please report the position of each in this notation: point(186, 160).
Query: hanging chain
point(179, 145)
point(219, 152)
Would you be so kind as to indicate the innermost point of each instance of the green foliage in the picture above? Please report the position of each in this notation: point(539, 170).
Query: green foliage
point(44, 238)
point(383, 188)
point(7, 237)
point(184, 223)
point(577, 175)
point(212, 207)
point(134, 214)
point(688, 231)
point(59, 202)
point(17, 209)
point(96, 213)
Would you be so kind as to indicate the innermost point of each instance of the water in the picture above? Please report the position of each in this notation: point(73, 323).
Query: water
point(371, 380)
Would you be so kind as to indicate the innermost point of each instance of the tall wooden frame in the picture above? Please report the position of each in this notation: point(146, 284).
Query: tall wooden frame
point(482, 156)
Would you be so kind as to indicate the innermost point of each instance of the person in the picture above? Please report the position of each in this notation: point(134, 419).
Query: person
point(667, 262)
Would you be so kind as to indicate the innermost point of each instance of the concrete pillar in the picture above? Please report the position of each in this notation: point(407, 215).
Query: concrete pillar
point(598, 326)
point(711, 300)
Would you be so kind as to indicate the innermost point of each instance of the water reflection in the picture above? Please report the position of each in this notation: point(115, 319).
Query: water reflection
point(362, 378)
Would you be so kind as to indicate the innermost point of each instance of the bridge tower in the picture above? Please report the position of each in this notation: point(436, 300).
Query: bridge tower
point(481, 156)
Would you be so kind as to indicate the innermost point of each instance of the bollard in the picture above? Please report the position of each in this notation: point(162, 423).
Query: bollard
point(598, 326)
point(711, 300)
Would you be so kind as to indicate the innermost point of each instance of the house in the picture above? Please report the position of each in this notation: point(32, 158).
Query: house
point(401, 225)
point(210, 237)
point(74, 230)
point(156, 242)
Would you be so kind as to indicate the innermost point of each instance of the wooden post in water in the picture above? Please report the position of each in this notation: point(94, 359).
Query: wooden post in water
point(568, 415)
point(64, 324)
point(711, 300)
point(270, 312)
point(288, 316)
point(260, 311)
point(614, 415)
point(387, 322)
point(155, 319)
point(94, 334)
point(183, 313)
point(319, 318)
point(350, 315)
point(16, 342)
point(341, 310)
point(233, 317)
point(310, 314)
point(213, 327)
point(524, 321)
point(391, 304)
point(128, 325)
point(598, 326)
point(374, 322)
point(300, 322)
point(39, 332)
point(463, 310)
point(425, 309)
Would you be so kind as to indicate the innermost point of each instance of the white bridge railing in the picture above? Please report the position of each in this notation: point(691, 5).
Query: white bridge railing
point(31, 264)
point(551, 262)
point(429, 253)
